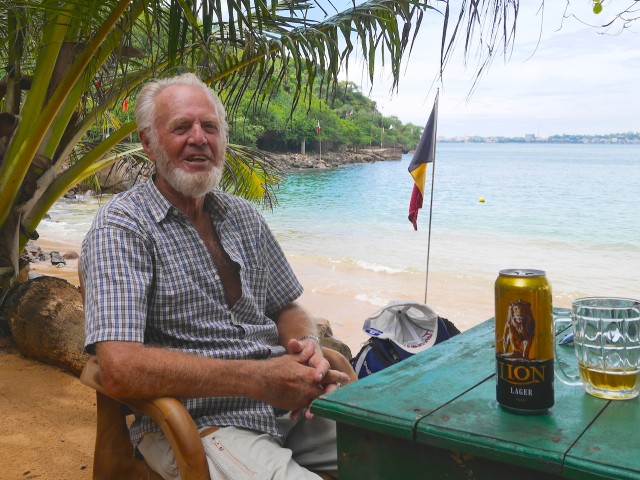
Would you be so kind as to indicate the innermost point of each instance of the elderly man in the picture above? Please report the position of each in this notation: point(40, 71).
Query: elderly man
point(188, 294)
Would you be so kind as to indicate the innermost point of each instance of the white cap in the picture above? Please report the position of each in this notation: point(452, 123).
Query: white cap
point(413, 326)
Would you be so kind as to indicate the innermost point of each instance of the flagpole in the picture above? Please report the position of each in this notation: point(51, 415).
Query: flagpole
point(319, 139)
point(424, 154)
point(433, 177)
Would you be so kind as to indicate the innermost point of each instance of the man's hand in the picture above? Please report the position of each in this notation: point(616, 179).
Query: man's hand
point(309, 352)
point(293, 322)
point(292, 381)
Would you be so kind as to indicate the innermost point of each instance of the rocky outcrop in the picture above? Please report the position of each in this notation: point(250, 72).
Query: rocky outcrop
point(335, 159)
point(34, 253)
point(327, 339)
point(123, 175)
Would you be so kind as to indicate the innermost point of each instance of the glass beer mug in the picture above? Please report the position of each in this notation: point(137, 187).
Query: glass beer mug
point(606, 337)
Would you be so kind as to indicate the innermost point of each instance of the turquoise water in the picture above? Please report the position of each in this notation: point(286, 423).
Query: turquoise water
point(571, 210)
point(556, 198)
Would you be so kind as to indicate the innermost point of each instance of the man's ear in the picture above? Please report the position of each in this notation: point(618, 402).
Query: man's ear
point(146, 145)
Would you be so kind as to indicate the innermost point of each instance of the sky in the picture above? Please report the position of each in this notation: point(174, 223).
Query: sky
point(563, 77)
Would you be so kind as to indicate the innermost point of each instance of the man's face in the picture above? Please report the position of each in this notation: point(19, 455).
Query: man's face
point(186, 141)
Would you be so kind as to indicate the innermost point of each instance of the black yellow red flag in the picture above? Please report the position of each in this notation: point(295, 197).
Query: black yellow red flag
point(425, 153)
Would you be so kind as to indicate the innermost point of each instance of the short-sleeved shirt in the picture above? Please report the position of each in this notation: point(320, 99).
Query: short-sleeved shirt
point(149, 278)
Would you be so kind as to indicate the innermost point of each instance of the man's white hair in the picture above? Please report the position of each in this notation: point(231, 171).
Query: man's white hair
point(145, 108)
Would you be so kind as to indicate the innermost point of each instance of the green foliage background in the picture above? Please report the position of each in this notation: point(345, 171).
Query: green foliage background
point(348, 120)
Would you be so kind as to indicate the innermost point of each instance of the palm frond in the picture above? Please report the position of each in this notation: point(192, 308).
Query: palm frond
point(316, 50)
point(486, 25)
point(252, 174)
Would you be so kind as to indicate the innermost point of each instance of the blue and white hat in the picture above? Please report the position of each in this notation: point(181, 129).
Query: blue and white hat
point(413, 326)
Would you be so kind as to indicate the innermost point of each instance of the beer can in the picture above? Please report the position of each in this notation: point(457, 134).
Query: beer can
point(524, 341)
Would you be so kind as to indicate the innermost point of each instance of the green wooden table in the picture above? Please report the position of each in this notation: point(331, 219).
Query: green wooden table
point(435, 416)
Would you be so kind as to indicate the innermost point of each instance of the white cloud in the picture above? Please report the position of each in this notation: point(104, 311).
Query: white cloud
point(575, 80)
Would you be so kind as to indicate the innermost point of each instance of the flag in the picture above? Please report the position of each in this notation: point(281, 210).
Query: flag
point(425, 153)
point(318, 128)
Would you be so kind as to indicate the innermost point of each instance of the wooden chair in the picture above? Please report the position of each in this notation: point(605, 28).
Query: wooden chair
point(114, 455)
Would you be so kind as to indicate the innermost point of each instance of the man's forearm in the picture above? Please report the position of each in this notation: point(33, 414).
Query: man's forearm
point(293, 323)
point(134, 370)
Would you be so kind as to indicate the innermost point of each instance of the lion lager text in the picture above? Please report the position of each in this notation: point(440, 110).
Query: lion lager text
point(524, 341)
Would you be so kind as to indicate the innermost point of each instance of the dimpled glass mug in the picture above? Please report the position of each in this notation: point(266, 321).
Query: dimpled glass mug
point(606, 337)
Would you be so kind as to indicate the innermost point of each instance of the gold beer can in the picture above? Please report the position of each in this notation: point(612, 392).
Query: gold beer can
point(524, 341)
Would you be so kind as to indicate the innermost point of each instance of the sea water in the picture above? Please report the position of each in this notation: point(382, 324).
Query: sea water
point(573, 210)
point(569, 209)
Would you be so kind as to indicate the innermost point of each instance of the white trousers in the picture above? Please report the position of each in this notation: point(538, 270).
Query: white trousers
point(238, 454)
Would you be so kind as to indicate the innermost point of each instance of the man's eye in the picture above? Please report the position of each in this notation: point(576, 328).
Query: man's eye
point(180, 129)
point(210, 127)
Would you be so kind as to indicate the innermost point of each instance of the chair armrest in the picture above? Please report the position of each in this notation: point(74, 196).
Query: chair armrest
point(180, 430)
point(172, 418)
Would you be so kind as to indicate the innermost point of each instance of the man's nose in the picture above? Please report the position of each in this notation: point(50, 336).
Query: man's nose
point(197, 136)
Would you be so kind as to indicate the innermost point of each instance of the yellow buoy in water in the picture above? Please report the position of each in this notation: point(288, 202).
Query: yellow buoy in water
point(481, 200)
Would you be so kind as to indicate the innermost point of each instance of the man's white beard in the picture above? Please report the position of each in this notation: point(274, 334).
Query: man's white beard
point(192, 185)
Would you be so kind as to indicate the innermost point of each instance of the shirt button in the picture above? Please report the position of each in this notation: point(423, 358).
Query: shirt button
point(217, 277)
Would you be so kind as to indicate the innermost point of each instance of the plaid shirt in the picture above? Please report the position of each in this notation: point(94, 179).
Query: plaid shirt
point(149, 278)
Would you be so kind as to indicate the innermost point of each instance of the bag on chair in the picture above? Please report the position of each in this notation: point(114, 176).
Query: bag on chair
point(398, 331)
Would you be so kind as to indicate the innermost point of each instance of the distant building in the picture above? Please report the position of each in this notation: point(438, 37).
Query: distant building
point(611, 138)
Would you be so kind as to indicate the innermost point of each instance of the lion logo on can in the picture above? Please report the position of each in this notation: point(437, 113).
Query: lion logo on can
point(519, 330)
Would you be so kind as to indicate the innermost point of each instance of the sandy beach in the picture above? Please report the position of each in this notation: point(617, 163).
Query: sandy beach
point(47, 427)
